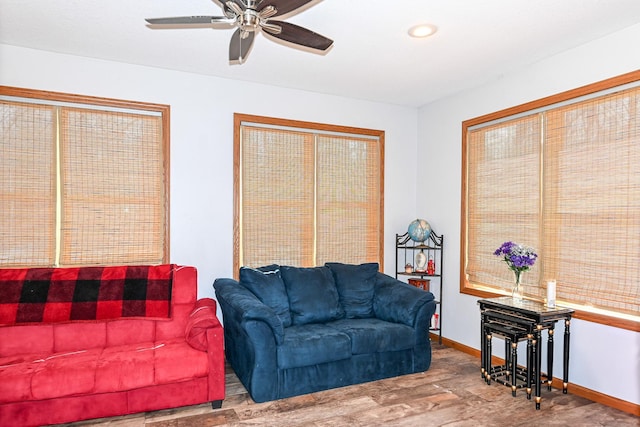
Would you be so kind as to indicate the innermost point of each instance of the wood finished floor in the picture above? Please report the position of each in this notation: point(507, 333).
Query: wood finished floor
point(451, 393)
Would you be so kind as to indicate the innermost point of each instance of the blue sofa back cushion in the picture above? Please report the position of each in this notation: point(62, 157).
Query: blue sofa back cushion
point(266, 283)
point(356, 286)
point(313, 297)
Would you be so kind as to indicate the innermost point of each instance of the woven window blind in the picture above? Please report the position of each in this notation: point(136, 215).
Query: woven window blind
point(27, 192)
point(566, 181)
point(112, 182)
point(308, 197)
point(503, 198)
point(348, 200)
point(592, 201)
point(82, 183)
point(277, 197)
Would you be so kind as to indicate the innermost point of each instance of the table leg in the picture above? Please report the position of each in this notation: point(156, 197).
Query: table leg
point(483, 344)
point(487, 361)
point(529, 361)
point(507, 358)
point(514, 367)
point(550, 358)
point(538, 360)
point(565, 377)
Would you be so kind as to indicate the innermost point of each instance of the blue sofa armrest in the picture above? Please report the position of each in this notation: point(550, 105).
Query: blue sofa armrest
point(246, 306)
point(396, 301)
point(252, 331)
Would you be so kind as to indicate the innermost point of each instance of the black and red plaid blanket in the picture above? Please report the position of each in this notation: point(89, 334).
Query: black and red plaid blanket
point(48, 295)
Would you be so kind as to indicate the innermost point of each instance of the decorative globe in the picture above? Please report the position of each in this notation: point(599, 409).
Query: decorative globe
point(419, 230)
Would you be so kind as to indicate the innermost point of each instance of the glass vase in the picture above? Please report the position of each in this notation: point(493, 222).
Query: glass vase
point(516, 292)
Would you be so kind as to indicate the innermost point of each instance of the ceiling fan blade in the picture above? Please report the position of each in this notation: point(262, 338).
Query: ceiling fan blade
point(239, 47)
point(298, 35)
point(180, 20)
point(283, 6)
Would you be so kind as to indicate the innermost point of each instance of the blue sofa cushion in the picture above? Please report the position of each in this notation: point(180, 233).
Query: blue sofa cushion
point(356, 286)
point(375, 335)
point(313, 297)
point(266, 283)
point(307, 345)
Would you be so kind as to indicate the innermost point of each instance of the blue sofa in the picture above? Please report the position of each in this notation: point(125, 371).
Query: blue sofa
point(294, 330)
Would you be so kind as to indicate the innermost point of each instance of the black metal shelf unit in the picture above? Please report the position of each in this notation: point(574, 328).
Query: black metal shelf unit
point(407, 256)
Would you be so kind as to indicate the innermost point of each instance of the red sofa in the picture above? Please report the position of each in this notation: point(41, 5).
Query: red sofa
point(91, 342)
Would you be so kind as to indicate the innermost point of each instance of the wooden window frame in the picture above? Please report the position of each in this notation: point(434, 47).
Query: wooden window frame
point(239, 119)
point(581, 312)
point(109, 104)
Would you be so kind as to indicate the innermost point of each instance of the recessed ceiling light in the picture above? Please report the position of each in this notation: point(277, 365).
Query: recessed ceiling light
point(422, 30)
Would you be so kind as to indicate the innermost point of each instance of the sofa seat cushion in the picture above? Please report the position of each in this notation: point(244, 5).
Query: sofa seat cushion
point(313, 297)
point(125, 367)
point(65, 374)
point(356, 285)
point(375, 335)
point(312, 344)
point(177, 361)
point(15, 376)
point(114, 369)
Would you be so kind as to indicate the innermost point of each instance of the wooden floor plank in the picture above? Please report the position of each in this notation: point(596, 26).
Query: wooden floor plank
point(450, 394)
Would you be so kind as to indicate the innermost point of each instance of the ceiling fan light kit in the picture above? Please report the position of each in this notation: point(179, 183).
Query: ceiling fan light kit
point(250, 17)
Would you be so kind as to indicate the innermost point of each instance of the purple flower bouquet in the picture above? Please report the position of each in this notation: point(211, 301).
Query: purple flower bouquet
point(519, 258)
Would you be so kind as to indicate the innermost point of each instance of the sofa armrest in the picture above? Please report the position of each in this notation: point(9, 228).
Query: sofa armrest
point(246, 306)
point(204, 332)
point(202, 318)
point(396, 301)
point(251, 331)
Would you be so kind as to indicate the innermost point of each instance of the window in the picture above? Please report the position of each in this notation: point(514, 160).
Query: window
point(561, 175)
point(306, 193)
point(84, 181)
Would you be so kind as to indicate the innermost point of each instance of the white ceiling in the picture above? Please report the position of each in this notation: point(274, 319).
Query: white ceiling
point(373, 57)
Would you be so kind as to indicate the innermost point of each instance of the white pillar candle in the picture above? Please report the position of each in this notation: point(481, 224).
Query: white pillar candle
point(551, 293)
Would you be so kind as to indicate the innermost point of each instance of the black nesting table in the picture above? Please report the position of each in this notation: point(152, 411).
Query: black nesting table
point(516, 321)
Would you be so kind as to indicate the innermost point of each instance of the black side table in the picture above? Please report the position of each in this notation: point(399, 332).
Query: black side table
point(516, 321)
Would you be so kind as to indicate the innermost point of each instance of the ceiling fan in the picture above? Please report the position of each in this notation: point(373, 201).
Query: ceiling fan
point(251, 16)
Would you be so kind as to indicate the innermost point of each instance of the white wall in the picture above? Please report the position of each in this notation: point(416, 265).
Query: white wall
point(603, 358)
point(202, 141)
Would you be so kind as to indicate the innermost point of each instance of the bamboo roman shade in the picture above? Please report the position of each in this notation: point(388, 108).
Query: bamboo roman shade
point(565, 180)
point(503, 197)
point(82, 184)
point(308, 196)
point(27, 184)
point(277, 197)
point(348, 199)
point(592, 201)
point(112, 187)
